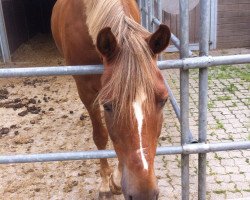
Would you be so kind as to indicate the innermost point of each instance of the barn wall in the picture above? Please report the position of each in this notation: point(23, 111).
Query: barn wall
point(233, 23)
point(25, 18)
point(173, 21)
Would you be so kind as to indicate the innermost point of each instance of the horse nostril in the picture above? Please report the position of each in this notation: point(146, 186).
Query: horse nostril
point(130, 197)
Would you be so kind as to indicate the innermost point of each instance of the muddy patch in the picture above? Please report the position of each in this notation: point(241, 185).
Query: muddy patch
point(4, 94)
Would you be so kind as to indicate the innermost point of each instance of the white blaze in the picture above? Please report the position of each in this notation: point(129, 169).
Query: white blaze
point(137, 105)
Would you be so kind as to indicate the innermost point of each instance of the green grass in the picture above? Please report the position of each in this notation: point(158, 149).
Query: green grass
point(217, 157)
point(212, 134)
point(235, 191)
point(231, 138)
point(178, 162)
point(218, 182)
point(231, 88)
point(210, 104)
point(219, 124)
point(219, 191)
point(248, 101)
point(224, 98)
point(234, 104)
point(229, 71)
point(196, 170)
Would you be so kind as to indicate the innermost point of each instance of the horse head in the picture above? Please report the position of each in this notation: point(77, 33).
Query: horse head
point(133, 96)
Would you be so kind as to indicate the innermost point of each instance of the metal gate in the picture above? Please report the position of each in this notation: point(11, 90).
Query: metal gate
point(151, 19)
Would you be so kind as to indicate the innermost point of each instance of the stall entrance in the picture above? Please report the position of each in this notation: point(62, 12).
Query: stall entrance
point(26, 18)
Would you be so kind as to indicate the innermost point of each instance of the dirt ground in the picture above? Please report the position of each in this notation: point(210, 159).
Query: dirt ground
point(44, 114)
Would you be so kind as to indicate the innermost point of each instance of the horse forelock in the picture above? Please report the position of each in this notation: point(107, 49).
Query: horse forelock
point(133, 71)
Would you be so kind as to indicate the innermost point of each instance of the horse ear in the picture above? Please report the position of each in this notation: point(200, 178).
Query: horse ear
point(106, 43)
point(159, 40)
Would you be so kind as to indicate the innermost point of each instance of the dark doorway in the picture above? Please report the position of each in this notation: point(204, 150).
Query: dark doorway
point(26, 18)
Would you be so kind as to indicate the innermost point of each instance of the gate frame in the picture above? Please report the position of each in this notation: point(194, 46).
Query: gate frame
point(5, 49)
point(184, 64)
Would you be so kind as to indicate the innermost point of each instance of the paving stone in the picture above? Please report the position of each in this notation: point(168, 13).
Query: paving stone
point(219, 170)
point(245, 195)
point(244, 168)
point(218, 195)
point(226, 168)
point(213, 162)
point(223, 154)
point(246, 153)
point(237, 177)
point(232, 169)
point(228, 162)
point(230, 116)
point(234, 195)
point(242, 185)
point(223, 178)
point(239, 161)
point(226, 186)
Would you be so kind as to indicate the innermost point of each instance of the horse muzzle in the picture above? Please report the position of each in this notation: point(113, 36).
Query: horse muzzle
point(141, 187)
point(148, 195)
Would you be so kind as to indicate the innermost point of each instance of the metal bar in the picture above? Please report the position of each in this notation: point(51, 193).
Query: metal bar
point(204, 27)
point(177, 111)
point(156, 21)
point(173, 38)
point(203, 88)
point(203, 62)
point(159, 9)
point(3, 38)
point(139, 3)
point(187, 63)
point(51, 71)
point(83, 155)
point(143, 13)
point(184, 95)
point(176, 43)
point(159, 15)
point(213, 23)
point(144, 10)
point(146, 14)
point(150, 15)
point(192, 47)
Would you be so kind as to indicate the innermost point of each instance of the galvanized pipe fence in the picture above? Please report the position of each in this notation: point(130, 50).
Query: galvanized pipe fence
point(5, 49)
point(85, 155)
point(150, 21)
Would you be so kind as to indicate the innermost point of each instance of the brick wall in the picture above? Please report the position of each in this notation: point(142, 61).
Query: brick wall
point(233, 23)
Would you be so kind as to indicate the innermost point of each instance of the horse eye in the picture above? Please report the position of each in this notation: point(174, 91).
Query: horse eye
point(163, 102)
point(107, 107)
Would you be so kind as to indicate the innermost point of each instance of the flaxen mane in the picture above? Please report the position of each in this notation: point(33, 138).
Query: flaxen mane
point(133, 72)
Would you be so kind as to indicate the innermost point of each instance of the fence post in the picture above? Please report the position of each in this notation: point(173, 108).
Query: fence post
point(159, 8)
point(146, 13)
point(3, 38)
point(184, 95)
point(143, 13)
point(159, 13)
point(150, 15)
point(139, 4)
point(203, 88)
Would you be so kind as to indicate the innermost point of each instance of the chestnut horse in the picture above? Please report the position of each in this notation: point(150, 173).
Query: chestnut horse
point(131, 89)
